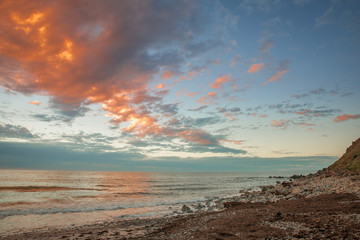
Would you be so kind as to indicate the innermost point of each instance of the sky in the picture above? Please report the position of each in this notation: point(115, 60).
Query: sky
point(245, 85)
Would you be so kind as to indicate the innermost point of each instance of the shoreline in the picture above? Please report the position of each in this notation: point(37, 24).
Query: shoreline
point(273, 211)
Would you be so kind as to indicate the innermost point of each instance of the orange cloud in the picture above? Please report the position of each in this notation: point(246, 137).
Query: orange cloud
point(219, 82)
point(190, 94)
point(230, 116)
point(280, 123)
point(202, 100)
point(198, 136)
point(255, 67)
point(346, 117)
point(35, 102)
point(305, 112)
point(80, 54)
point(160, 86)
point(206, 100)
point(276, 77)
point(237, 142)
point(282, 70)
point(305, 124)
point(167, 74)
point(181, 92)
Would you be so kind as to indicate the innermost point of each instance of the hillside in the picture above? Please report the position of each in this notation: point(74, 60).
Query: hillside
point(350, 161)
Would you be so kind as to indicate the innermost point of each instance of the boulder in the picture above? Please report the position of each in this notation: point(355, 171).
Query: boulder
point(186, 209)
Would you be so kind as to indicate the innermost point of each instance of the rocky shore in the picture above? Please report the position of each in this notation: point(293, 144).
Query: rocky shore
point(324, 205)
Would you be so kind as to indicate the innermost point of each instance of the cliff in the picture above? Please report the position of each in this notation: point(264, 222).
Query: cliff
point(350, 161)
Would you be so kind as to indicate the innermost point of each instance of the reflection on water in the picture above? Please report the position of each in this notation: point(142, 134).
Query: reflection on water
point(38, 199)
point(132, 184)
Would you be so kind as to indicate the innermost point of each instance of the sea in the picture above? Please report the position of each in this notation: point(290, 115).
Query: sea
point(41, 200)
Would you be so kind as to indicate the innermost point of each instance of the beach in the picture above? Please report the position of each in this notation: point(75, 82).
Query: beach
point(53, 201)
point(322, 205)
point(283, 211)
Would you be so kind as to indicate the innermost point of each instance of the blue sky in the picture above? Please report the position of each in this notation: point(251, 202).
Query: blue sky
point(178, 85)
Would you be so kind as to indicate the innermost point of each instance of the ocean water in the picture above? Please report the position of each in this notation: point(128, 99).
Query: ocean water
point(33, 200)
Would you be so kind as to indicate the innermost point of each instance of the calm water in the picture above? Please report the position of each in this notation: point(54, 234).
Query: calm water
point(50, 199)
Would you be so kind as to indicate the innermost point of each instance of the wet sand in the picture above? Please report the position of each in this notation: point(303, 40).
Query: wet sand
point(328, 216)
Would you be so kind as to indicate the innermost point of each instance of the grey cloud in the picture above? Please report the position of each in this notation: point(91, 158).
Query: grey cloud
point(92, 141)
point(314, 92)
point(195, 49)
point(214, 149)
point(259, 5)
point(144, 97)
point(51, 118)
point(197, 109)
point(301, 2)
point(69, 111)
point(318, 91)
point(169, 108)
point(47, 156)
point(15, 131)
point(172, 59)
point(347, 94)
point(233, 110)
point(200, 122)
point(61, 156)
point(325, 18)
point(265, 46)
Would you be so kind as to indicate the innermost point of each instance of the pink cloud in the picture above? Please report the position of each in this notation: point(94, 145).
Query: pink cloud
point(35, 102)
point(219, 82)
point(237, 142)
point(230, 116)
point(193, 73)
point(305, 124)
point(198, 136)
point(281, 123)
point(181, 92)
point(282, 70)
point(212, 94)
point(304, 112)
point(167, 74)
point(80, 54)
point(160, 86)
point(277, 77)
point(190, 94)
point(346, 117)
point(207, 99)
point(255, 67)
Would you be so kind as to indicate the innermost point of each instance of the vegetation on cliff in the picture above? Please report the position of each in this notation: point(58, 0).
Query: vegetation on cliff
point(350, 161)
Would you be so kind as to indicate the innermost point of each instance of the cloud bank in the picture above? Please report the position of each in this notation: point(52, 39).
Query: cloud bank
point(95, 53)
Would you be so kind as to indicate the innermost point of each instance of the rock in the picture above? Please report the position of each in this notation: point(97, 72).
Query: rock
point(186, 209)
point(199, 206)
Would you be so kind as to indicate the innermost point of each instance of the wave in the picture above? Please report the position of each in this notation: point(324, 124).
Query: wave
point(42, 188)
point(79, 209)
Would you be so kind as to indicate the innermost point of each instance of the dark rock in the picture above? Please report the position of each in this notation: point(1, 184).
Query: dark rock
point(278, 216)
point(186, 209)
